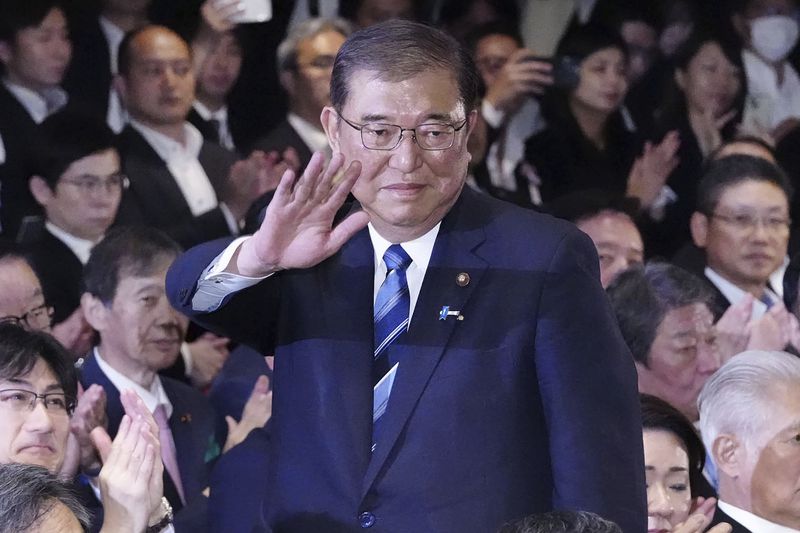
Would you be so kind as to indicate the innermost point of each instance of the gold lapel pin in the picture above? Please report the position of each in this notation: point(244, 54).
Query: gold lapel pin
point(186, 418)
point(462, 280)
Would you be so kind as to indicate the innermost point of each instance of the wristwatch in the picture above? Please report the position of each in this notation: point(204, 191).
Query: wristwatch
point(165, 520)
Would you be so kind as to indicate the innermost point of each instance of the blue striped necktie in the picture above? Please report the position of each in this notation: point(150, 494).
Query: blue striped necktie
point(391, 315)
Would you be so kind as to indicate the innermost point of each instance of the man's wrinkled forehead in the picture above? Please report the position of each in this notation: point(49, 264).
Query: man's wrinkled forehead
point(361, 87)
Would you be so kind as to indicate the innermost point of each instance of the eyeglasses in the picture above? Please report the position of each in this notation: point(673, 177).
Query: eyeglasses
point(37, 318)
point(747, 223)
point(24, 401)
point(379, 136)
point(90, 184)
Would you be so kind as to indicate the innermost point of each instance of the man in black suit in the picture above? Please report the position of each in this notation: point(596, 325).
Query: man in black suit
point(79, 185)
point(305, 59)
point(216, 76)
point(749, 413)
point(34, 53)
point(180, 184)
point(742, 223)
point(96, 38)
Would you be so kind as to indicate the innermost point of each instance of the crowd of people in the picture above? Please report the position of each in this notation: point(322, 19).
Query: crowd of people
point(508, 265)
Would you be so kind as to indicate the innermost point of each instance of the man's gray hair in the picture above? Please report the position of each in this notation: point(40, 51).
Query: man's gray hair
point(28, 493)
point(286, 55)
point(739, 397)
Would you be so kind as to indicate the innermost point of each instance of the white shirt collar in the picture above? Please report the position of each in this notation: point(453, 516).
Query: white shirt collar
point(152, 397)
point(313, 136)
point(419, 249)
point(754, 523)
point(168, 148)
point(733, 293)
point(205, 113)
point(114, 35)
point(80, 247)
point(39, 105)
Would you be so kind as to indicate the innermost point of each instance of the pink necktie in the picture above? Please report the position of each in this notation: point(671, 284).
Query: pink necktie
point(168, 454)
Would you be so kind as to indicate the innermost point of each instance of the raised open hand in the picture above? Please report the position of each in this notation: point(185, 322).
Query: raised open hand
point(257, 411)
point(651, 170)
point(298, 230)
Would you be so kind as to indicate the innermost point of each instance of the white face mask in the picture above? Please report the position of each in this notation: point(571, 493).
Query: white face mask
point(774, 36)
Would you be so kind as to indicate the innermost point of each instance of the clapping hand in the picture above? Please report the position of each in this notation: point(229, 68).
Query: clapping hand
point(131, 483)
point(650, 170)
point(257, 411)
point(298, 230)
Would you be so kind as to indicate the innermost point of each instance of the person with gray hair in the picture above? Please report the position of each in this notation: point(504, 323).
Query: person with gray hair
point(750, 424)
point(34, 499)
point(664, 313)
point(305, 59)
point(484, 393)
point(561, 522)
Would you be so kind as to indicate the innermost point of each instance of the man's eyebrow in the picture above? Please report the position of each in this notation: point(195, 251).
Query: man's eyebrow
point(18, 381)
point(54, 387)
point(378, 117)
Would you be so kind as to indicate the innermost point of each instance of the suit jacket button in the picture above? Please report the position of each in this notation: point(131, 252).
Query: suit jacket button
point(366, 519)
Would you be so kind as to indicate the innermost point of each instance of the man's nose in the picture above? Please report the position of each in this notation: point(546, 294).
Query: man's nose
point(39, 419)
point(407, 155)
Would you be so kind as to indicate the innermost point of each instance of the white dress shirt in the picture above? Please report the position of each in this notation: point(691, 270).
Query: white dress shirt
point(767, 103)
point(753, 523)
point(184, 165)
point(116, 117)
point(2, 151)
point(221, 116)
point(39, 105)
point(152, 397)
point(82, 248)
point(215, 284)
point(734, 294)
point(313, 136)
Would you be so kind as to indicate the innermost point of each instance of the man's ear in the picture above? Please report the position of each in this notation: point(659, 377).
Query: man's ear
point(94, 310)
point(729, 454)
point(698, 225)
point(330, 123)
point(40, 190)
point(286, 79)
point(680, 79)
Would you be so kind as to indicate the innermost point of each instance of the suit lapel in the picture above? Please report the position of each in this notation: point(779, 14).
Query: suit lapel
point(90, 375)
point(149, 174)
point(428, 336)
point(351, 312)
point(182, 427)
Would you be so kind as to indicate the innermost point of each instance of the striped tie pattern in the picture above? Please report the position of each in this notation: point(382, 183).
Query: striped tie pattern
point(392, 307)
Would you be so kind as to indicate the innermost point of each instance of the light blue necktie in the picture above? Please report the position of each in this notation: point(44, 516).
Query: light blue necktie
point(391, 318)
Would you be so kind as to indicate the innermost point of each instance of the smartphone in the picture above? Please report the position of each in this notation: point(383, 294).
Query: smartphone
point(254, 11)
point(566, 70)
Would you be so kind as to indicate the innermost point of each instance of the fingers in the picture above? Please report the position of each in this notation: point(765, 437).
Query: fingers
point(102, 442)
point(694, 524)
point(721, 528)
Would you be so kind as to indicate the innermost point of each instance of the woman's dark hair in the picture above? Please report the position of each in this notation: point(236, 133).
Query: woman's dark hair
point(658, 415)
point(578, 44)
point(674, 101)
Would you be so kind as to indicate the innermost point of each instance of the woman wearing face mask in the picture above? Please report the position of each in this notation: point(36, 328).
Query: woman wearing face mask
point(704, 105)
point(587, 144)
point(769, 31)
point(673, 462)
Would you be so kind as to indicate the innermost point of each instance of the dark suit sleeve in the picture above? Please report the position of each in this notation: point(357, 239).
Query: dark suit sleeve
point(589, 392)
point(249, 316)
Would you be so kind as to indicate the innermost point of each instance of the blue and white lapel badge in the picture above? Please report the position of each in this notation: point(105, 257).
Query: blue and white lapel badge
point(445, 312)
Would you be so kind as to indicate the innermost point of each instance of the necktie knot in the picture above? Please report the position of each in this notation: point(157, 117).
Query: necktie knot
point(396, 258)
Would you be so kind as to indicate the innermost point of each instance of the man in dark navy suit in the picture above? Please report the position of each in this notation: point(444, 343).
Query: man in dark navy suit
point(141, 334)
point(444, 361)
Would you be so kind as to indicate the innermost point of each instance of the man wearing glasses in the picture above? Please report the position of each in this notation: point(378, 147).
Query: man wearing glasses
point(444, 361)
point(79, 185)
